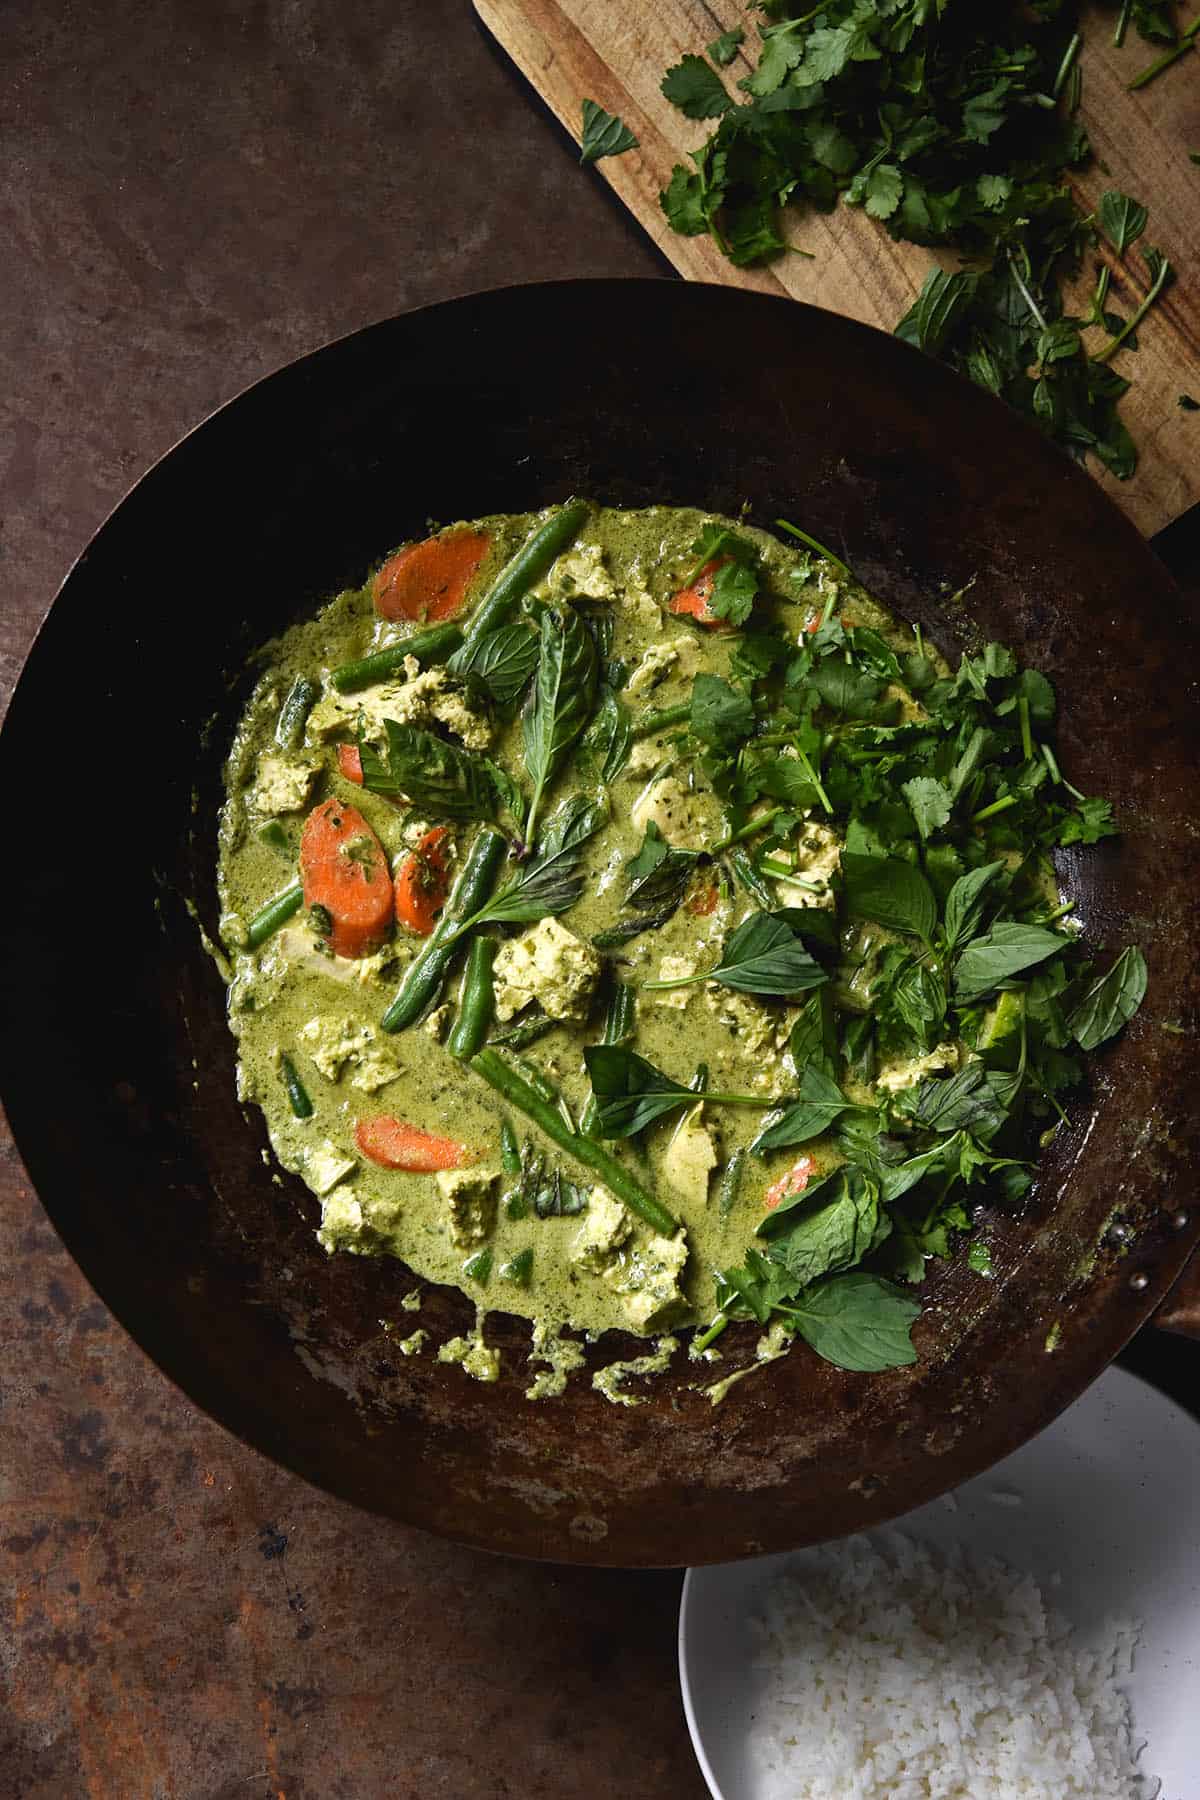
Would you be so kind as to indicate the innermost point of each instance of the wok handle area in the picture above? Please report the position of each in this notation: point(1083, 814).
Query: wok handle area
point(1180, 1311)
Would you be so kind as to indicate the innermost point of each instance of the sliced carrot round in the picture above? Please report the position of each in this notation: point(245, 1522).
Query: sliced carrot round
point(429, 580)
point(350, 763)
point(395, 1144)
point(422, 882)
point(794, 1182)
point(693, 602)
point(345, 875)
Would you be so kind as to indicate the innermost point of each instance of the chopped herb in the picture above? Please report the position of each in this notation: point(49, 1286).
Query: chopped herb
point(604, 134)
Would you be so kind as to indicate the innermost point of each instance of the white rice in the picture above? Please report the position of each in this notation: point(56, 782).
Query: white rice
point(888, 1672)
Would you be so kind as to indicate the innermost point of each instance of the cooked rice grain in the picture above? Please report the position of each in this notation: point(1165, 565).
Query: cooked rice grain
point(891, 1673)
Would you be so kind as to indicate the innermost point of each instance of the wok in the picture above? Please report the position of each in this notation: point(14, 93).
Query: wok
point(117, 1068)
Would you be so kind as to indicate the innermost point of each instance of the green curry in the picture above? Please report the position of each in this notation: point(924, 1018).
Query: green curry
point(724, 955)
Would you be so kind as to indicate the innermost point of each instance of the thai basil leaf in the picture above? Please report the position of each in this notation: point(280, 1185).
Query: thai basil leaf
point(766, 956)
point(1111, 1001)
point(1006, 950)
point(813, 1039)
point(503, 660)
point(437, 777)
point(564, 692)
point(551, 882)
point(820, 1102)
point(610, 735)
point(891, 892)
point(833, 1233)
point(857, 1321)
point(965, 1102)
point(630, 1093)
point(965, 903)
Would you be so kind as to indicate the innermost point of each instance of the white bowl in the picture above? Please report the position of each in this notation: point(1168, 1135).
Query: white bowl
point(1103, 1509)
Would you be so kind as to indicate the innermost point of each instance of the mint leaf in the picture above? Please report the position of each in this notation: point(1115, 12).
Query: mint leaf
point(833, 1232)
point(604, 134)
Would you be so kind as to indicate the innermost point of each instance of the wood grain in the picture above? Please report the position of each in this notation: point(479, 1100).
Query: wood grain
point(615, 52)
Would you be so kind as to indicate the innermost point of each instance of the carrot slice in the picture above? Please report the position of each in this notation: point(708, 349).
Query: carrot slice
point(692, 602)
point(429, 580)
point(394, 1144)
point(794, 1182)
point(422, 882)
point(345, 873)
point(350, 762)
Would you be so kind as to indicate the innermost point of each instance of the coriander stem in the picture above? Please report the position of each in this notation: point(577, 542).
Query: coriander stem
point(1156, 287)
point(1032, 304)
point(1026, 734)
point(1122, 24)
point(813, 543)
point(1186, 42)
point(780, 871)
point(714, 1331)
point(1065, 66)
point(1051, 762)
point(1060, 912)
point(750, 829)
point(822, 796)
point(997, 806)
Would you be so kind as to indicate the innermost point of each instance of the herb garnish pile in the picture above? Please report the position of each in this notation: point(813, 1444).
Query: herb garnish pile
point(955, 125)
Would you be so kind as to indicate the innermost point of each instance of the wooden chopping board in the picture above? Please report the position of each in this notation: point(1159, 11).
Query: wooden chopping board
point(616, 51)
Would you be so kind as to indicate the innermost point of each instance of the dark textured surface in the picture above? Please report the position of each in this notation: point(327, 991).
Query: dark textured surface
point(193, 195)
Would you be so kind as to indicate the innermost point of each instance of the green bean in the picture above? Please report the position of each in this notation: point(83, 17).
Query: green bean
point(476, 1002)
point(510, 1149)
point(617, 1029)
point(751, 880)
point(661, 720)
point(435, 645)
point(293, 714)
point(731, 1181)
point(428, 970)
point(526, 567)
point(274, 914)
point(508, 1084)
point(525, 1031)
point(297, 1093)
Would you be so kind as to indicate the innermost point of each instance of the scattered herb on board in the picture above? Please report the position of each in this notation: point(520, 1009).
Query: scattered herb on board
point(954, 126)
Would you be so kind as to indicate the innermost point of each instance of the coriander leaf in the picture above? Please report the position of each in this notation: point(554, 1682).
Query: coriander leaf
point(734, 589)
point(696, 89)
point(1091, 821)
point(763, 956)
point(857, 1321)
point(1187, 404)
point(551, 882)
point(722, 50)
point(755, 1289)
point(1111, 1001)
point(503, 660)
point(984, 113)
point(846, 689)
point(720, 715)
point(965, 903)
point(819, 1104)
point(604, 134)
point(930, 801)
point(1006, 950)
point(831, 1233)
point(891, 892)
point(885, 184)
point(1121, 219)
point(685, 202)
point(564, 692)
point(993, 190)
point(437, 777)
